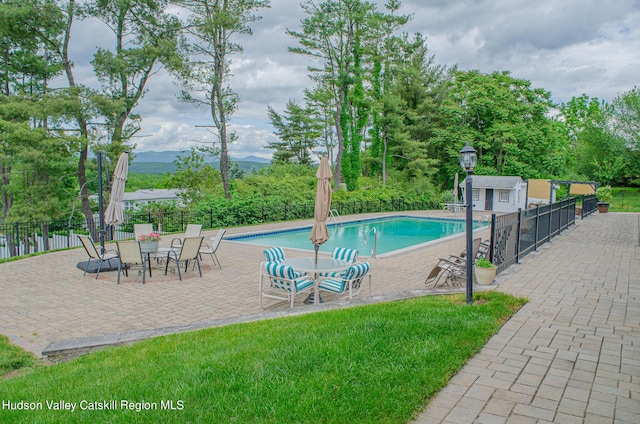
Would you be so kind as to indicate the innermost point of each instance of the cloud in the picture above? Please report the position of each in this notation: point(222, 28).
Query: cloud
point(567, 47)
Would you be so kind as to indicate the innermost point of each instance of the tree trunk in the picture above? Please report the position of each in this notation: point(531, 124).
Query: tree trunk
point(337, 177)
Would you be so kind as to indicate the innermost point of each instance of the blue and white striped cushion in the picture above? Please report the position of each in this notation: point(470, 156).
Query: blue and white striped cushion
point(345, 254)
point(282, 276)
point(274, 254)
point(356, 271)
point(339, 285)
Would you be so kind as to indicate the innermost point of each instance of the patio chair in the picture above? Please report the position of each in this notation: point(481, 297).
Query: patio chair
point(139, 229)
point(350, 281)
point(130, 254)
point(95, 255)
point(190, 251)
point(274, 254)
point(284, 283)
point(343, 254)
point(207, 249)
point(192, 230)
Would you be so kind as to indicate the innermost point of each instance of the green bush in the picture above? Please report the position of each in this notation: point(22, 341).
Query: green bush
point(604, 194)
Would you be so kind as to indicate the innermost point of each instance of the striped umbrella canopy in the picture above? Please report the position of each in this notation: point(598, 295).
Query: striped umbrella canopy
point(114, 215)
point(319, 232)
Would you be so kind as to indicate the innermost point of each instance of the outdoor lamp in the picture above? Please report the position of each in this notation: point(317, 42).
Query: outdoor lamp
point(468, 161)
point(468, 158)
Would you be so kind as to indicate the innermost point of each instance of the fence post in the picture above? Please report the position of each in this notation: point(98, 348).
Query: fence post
point(537, 227)
point(17, 239)
point(492, 239)
point(519, 227)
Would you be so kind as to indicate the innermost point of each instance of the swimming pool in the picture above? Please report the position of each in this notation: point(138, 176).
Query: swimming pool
point(393, 234)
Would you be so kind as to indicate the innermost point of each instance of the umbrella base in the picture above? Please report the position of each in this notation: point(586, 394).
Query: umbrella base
point(311, 299)
point(92, 267)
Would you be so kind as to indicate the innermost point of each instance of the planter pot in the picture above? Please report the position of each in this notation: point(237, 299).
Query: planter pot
point(149, 246)
point(485, 276)
point(603, 207)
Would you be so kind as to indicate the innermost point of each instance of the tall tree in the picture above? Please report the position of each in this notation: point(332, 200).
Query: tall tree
point(298, 131)
point(597, 151)
point(211, 26)
point(339, 33)
point(26, 66)
point(506, 120)
point(144, 36)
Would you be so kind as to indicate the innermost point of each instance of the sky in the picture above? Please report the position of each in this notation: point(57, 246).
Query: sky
point(567, 47)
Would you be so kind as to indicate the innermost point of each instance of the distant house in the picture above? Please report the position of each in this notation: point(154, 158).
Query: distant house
point(136, 199)
point(498, 194)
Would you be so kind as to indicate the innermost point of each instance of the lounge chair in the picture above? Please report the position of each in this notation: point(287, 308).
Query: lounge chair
point(207, 249)
point(95, 255)
point(130, 254)
point(350, 281)
point(190, 251)
point(454, 268)
point(284, 283)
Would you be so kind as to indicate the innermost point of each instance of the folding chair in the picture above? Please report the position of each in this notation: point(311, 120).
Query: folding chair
point(95, 255)
point(190, 251)
point(211, 249)
point(130, 254)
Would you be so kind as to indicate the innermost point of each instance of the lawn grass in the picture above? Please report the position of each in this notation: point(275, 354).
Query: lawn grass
point(13, 358)
point(625, 199)
point(369, 364)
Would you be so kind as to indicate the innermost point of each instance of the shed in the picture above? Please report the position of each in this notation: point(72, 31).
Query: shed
point(497, 193)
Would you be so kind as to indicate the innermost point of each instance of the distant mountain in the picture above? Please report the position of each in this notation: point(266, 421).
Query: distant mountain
point(170, 155)
point(162, 162)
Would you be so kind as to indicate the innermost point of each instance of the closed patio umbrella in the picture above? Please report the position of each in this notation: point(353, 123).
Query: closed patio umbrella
point(319, 232)
point(455, 189)
point(114, 215)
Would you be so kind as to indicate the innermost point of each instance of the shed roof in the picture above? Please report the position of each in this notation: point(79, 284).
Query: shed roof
point(151, 194)
point(499, 182)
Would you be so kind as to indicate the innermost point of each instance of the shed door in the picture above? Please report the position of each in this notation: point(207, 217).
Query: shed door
point(488, 199)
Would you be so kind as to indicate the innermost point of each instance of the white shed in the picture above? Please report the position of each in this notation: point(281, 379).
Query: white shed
point(498, 194)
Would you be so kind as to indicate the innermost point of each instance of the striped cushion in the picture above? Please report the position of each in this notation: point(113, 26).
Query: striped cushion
point(338, 285)
point(356, 271)
point(274, 254)
point(283, 276)
point(345, 254)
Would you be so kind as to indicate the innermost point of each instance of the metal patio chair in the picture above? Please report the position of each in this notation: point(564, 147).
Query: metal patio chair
point(95, 255)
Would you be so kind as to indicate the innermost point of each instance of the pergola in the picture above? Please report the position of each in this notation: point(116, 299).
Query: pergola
point(593, 185)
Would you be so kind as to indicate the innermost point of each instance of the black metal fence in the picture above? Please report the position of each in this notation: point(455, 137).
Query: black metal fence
point(516, 234)
point(21, 238)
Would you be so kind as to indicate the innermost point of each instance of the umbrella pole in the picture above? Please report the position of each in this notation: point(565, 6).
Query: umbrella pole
point(316, 248)
point(100, 201)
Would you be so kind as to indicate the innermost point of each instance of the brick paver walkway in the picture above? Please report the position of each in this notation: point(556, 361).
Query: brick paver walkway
point(572, 354)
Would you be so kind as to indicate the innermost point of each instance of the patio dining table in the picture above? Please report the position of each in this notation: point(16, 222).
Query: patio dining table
point(311, 265)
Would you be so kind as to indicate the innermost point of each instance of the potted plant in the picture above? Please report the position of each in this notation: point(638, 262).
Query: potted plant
point(149, 242)
point(485, 272)
point(603, 193)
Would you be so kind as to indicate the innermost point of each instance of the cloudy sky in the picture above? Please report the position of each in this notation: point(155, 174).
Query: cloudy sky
point(567, 47)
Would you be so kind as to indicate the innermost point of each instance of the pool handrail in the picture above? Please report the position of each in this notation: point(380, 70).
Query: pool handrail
point(375, 241)
point(334, 216)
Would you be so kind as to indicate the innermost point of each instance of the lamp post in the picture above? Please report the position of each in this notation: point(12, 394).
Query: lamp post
point(468, 161)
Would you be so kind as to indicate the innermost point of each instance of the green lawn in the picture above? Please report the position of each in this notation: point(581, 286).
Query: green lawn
point(369, 364)
point(625, 199)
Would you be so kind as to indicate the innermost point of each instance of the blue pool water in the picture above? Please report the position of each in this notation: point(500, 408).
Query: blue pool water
point(393, 233)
